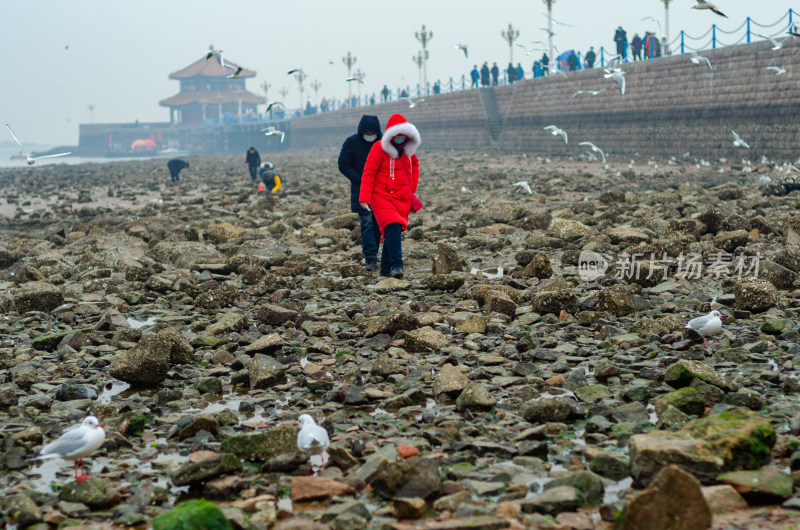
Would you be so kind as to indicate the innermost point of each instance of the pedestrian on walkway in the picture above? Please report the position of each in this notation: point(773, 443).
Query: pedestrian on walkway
point(253, 160)
point(485, 74)
point(636, 47)
point(621, 39)
point(474, 75)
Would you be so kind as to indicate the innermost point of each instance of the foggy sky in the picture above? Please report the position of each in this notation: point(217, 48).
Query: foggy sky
point(121, 53)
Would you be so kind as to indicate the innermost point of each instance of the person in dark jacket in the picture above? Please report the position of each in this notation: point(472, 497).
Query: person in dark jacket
point(495, 75)
point(270, 178)
point(590, 58)
point(636, 47)
point(175, 166)
point(621, 38)
point(545, 64)
point(352, 158)
point(474, 75)
point(253, 160)
point(511, 72)
point(485, 74)
point(572, 61)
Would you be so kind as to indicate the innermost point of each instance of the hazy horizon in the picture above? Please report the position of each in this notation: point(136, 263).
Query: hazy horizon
point(120, 55)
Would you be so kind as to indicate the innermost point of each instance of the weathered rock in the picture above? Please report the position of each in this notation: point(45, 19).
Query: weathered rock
point(475, 397)
point(687, 400)
point(723, 498)
point(263, 445)
point(589, 484)
point(425, 339)
point(414, 477)
point(384, 366)
point(306, 489)
point(346, 220)
point(193, 514)
point(767, 484)
point(22, 510)
point(609, 466)
point(755, 295)
point(617, 300)
point(554, 500)
point(539, 266)
point(38, 296)
point(552, 409)
point(275, 315)
point(93, 492)
point(498, 302)
point(185, 254)
point(180, 349)
point(193, 472)
point(111, 320)
point(681, 374)
point(146, 364)
point(200, 423)
point(449, 380)
point(409, 508)
point(554, 297)
point(222, 232)
point(776, 274)
point(447, 260)
point(228, 323)
point(444, 282)
point(266, 372)
point(268, 344)
point(392, 323)
point(730, 241)
point(569, 229)
point(673, 501)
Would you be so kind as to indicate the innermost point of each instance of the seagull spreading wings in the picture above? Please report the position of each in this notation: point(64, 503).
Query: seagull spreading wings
point(591, 92)
point(529, 51)
point(358, 78)
point(555, 131)
point(271, 131)
point(557, 22)
point(775, 44)
point(464, 189)
point(549, 33)
point(595, 149)
point(654, 19)
point(217, 54)
point(28, 158)
point(523, 185)
point(274, 104)
point(462, 47)
point(295, 70)
point(777, 69)
point(619, 78)
point(738, 142)
point(413, 102)
point(697, 59)
point(237, 71)
point(702, 4)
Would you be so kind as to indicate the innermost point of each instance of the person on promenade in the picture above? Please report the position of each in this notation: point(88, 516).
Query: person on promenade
point(590, 58)
point(537, 69)
point(385, 94)
point(352, 158)
point(621, 38)
point(636, 47)
point(572, 61)
point(545, 64)
point(495, 74)
point(175, 166)
point(485, 74)
point(475, 76)
point(650, 44)
point(511, 72)
point(390, 179)
point(253, 160)
point(271, 180)
point(520, 72)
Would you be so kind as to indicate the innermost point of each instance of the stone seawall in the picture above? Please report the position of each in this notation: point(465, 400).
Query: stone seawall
point(671, 106)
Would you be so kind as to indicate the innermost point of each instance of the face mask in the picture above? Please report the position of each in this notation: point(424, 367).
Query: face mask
point(369, 137)
point(399, 139)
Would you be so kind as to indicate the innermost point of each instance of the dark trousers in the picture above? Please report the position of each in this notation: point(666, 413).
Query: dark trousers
point(370, 234)
point(392, 254)
point(174, 176)
point(253, 172)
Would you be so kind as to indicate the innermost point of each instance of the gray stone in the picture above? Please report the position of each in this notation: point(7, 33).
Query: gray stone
point(266, 372)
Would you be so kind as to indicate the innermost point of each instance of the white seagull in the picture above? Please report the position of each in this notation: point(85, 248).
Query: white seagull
point(30, 160)
point(237, 71)
point(529, 51)
point(777, 69)
point(595, 149)
point(619, 78)
point(295, 71)
point(464, 189)
point(775, 44)
point(654, 19)
point(557, 22)
point(358, 78)
point(707, 325)
point(591, 92)
point(555, 131)
point(697, 59)
point(217, 54)
point(413, 102)
point(312, 439)
point(702, 4)
point(463, 48)
point(523, 185)
point(274, 104)
point(271, 131)
point(76, 443)
point(738, 142)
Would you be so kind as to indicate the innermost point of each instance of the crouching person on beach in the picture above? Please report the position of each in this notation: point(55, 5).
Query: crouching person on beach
point(388, 184)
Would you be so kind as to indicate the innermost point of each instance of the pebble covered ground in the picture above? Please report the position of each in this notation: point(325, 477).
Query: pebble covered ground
point(499, 384)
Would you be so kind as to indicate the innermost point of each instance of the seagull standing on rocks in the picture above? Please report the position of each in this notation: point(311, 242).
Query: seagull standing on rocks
point(76, 443)
point(312, 439)
point(702, 4)
point(707, 325)
point(30, 160)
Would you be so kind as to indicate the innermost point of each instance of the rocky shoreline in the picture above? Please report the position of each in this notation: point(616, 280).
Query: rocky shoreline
point(198, 320)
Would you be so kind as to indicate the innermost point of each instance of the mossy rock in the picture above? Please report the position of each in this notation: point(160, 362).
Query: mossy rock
point(50, 342)
point(263, 445)
point(687, 400)
point(743, 438)
point(197, 514)
point(681, 373)
point(593, 393)
point(773, 326)
point(589, 484)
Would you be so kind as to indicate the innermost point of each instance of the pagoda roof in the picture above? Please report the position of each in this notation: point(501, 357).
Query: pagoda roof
point(211, 98)
point(209, 68)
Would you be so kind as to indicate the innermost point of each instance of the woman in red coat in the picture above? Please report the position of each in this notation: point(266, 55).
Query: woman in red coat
point(388, 184)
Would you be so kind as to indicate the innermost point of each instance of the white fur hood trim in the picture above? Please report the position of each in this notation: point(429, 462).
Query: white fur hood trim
point(412, 141)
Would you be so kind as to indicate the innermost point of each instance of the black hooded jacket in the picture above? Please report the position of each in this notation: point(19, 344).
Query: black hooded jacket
point(353, 156)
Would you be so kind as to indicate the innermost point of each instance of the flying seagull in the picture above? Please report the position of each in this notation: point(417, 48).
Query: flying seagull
point(555, 131)
point(413, 102)
point(216, 54)
point(738, 142)
point(462, 47)
point(654, 19)
point(357, 78)
point(312, 439)
point(706, 325)
point(549, 33)
point(557, 22)
point(702, 4)
point(619, 78)
point(295, 70)
point(529, 51)
point(777, 69)
point(595, 149)
point(590, 92)
point(697, 59)
point(524, 186)
point(775, 44)
point(271, 131)
point(464, 189)
point(237, 71)
point(30, 160)
point(76, 443)
point(274, 104)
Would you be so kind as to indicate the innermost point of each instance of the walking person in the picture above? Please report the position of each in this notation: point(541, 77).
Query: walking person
point(485, 74)
point(621, 38)
point(545, 64)
point(495, 74)
point(352, 158)
point(590, 58)
point(520, 72)
point(253, 161)
point(636, 47)
point(511, 73)
point(175, 166)
point(474, 75)
point(388, 184)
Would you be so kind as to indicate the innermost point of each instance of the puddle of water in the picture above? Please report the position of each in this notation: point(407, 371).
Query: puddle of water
point(117, 387)
point(138, 324)
point(653, 416)
point(772, 364)
point(612, 492)
point(285, 504)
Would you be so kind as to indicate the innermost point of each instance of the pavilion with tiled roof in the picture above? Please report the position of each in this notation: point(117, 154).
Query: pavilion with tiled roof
point(207, 93)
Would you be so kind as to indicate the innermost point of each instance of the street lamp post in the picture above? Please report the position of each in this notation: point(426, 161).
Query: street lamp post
point(316, 85)
point(359, 75)
point(301, 76)
point(666, 26)
point(284, 91)
point(349, 60)
point(549, 4)
point(419, 60)
point(91, 107)
point(424, 37)
point(510, 35)
point(265, 87)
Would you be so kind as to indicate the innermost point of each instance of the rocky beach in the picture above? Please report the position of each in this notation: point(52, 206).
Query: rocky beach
point(504, 382)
